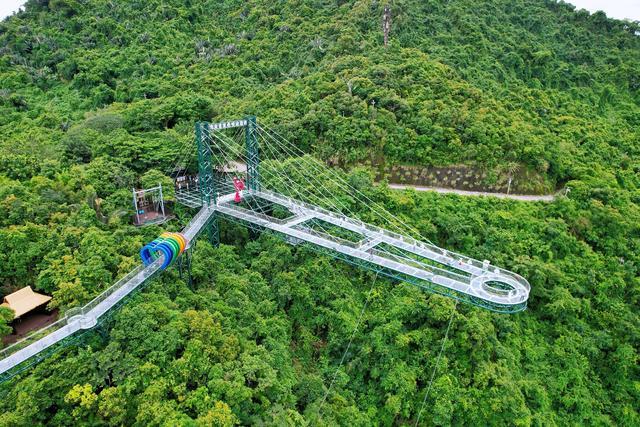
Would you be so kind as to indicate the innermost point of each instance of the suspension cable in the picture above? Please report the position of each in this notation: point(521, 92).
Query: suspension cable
point(313, 181)
point(435, 367)
point(374, 206)
point(353, 334)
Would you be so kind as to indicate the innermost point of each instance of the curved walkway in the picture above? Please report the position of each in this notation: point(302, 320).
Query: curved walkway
point(522, 197)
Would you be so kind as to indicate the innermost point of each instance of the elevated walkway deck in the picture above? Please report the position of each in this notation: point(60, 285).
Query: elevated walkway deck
point(404, 258)
point(411, 260)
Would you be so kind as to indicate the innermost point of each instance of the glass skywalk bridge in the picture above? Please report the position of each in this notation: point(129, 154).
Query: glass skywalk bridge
point(422, 264)
point(428, 266)
point(392, 254)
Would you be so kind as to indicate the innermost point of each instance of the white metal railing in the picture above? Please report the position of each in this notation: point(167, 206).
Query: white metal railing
point(190, 198)
point(429, 251)
point(475, 278)
point(84, 317)
point(88, 316)
point(469, 276)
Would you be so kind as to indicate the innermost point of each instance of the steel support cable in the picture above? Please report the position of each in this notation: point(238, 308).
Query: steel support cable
point(435, 367)
point(389, 219)
point(370, 203)
point(179, 159)
point(234, 151)
point(327, 196)
point(315, 177)
point(398, 256)
point(350, 213)
point(353, 334)
point(226, 144)
point(323, 168)
point(234, 141)
point(280, 177)
point(180, 156)
point(293, 190)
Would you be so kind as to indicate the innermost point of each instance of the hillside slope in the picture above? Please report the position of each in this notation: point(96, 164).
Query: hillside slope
point(487, 82)
point(97, 96)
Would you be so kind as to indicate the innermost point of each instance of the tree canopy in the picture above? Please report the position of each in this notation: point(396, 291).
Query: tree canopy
point(98, 96)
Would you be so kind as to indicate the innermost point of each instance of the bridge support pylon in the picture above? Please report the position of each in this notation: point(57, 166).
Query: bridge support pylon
point(253, 168)
point(206, 178)
point(253, 153)
point(184, 266)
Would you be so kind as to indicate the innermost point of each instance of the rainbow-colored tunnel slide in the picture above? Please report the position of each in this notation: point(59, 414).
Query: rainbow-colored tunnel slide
point(171, 245)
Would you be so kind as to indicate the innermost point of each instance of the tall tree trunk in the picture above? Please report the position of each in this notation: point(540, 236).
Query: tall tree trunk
point(386, 24)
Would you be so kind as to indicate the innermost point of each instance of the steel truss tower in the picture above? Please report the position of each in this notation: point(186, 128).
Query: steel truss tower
point(253, 154)
point(207, 179)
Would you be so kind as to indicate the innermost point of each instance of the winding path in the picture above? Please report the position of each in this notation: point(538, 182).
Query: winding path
point(521, 197)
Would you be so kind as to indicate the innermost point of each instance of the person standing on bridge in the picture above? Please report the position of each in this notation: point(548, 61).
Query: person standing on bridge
point(238, 184)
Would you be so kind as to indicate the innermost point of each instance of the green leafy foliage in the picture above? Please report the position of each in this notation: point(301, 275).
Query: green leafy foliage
point(98, 96)
point(6, 316)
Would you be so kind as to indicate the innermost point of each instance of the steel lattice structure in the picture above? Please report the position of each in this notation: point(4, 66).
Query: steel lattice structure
point(412, 261)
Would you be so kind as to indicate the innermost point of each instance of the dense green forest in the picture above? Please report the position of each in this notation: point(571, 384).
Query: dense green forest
point(97, 96)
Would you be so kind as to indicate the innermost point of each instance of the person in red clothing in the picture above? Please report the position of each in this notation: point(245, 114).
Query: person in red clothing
point(239, 186)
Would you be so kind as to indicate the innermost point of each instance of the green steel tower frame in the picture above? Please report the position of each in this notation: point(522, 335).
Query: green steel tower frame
point(206, 179)
point(253, 154)
point(252, 145)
